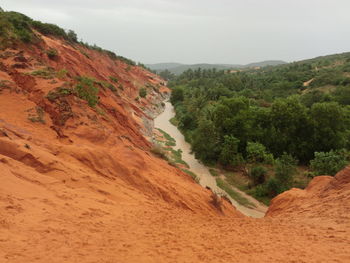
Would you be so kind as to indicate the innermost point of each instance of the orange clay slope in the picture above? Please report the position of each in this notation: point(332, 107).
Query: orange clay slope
point(79, 183)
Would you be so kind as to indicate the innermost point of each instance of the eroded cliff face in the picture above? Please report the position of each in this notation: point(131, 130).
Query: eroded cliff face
point(79, 183)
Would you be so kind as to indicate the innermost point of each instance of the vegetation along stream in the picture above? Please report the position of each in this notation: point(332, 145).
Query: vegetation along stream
point(254, 207)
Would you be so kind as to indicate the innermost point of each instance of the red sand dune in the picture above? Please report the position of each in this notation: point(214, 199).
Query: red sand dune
point(84, 187)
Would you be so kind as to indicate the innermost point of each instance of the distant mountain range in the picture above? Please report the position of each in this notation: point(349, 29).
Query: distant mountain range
point(178, 68)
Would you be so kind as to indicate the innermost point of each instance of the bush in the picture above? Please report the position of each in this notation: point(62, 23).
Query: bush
point(258, 174)
point(58, 93)
point(72, 36)
point(49, 29)
point(143, 92)
point(114, 79)
point(285, 170)
point(261, 191)
point(51, 53)
point(45, 73)
point(87, 91)
point(229, 154)
point(256, 152)
point(328, 163)
point(273, 187)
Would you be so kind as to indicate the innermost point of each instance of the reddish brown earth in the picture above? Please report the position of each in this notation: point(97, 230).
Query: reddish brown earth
point(84, 187)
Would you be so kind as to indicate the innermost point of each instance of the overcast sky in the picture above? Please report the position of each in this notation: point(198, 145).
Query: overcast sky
point(195, 31)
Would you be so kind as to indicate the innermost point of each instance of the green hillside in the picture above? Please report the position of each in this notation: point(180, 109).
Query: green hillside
point(271, 118)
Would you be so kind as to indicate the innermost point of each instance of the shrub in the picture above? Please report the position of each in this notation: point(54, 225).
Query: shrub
point(285, 170)
point(143, 92)
point(261, 190)
point(51, 53)
point(72, 36)
point(87, 91)
point(45, 73)
point(328, 162)
point(59, 92)
point(256, 152)
point(273, 187)
point(113, 79)
point(49, 29)
point(229, 154)
point(257, 174)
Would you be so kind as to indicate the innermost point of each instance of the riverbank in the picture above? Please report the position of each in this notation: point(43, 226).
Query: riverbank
point(205, 178)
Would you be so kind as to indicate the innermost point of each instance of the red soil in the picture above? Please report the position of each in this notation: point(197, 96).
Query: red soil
point(83, 186)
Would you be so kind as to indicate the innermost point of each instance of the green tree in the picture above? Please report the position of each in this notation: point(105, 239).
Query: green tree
point(72, 36)
point(177, 95)
point(205, 141)
point(257, 174)
point(328, 163)
point(285, 170)
point(229, 154)
point(328, 126)
point(256, 152)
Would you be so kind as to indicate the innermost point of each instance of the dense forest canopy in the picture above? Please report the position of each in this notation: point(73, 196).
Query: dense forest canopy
point(298, 109)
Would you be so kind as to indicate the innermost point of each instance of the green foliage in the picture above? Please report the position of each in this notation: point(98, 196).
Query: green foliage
point(285, 170)
point(328, 163)
point(142, 92)
point(259, 115)
point(272, 188)
point(177, 96)
point(229, 154)
point(45, 73)
point(176, 156)
point(166, 74)
point(72, 36)
point(49, 29)
point(257, 153)
point(170, 141)
point(328, 126)
point(86, 90)
point(59, 92)
point(52, 53)
point(257, 174)
point(113, 79)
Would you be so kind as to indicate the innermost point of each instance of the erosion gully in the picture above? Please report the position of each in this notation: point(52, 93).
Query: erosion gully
point(206, 179)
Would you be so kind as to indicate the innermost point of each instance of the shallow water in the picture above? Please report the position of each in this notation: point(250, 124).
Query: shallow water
point(206, 179)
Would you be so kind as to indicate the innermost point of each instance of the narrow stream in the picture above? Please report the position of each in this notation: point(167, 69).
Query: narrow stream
point(206, 179)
